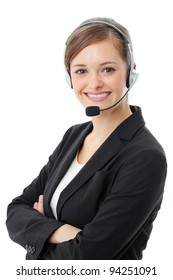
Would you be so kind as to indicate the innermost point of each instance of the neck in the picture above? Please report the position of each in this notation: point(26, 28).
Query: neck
point(108, 121)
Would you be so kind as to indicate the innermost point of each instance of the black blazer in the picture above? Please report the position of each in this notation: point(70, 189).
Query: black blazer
point(114, 199)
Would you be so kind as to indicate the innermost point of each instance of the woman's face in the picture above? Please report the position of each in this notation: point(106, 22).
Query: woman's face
point(99, 75)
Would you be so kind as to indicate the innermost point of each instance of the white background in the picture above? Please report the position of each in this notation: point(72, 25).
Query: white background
point(36, 105)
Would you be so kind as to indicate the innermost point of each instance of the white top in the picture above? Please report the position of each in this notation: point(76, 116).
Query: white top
point(73, 170)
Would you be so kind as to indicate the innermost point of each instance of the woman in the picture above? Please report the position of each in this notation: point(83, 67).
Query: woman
point(99, 193)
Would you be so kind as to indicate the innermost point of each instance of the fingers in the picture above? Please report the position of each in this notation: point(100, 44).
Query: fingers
point(35, 206)
point(39, 205)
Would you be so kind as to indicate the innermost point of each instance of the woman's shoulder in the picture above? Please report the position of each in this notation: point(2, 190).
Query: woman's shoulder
point(145, 144)
point(77, 128)
point(69, 137)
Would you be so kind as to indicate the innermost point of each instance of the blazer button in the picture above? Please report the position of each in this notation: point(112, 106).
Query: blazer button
point(32, 250)
point(26, 247)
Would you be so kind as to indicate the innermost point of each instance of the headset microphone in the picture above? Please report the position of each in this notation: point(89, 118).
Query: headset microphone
point(92, 111)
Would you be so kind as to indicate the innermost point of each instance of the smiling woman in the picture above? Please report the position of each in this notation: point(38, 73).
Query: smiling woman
point(99, 193)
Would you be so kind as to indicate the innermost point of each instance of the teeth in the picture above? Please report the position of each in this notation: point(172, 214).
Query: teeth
point(97, 96)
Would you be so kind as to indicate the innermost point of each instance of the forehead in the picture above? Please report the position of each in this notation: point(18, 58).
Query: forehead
point(99, 51)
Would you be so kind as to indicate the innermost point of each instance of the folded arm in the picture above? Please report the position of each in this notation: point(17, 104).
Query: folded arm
point(125, 210)
point(63, 233)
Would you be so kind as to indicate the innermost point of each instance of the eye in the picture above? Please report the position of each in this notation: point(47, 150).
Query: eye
point(80, 71)
point(108, 70)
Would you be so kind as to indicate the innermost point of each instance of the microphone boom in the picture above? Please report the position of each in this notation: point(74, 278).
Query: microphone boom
point(92, 111)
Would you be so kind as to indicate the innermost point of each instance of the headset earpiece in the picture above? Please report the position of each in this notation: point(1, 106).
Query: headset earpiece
point(68, 79)
point(132, 77)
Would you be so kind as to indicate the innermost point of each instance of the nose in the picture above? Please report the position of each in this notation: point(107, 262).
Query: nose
point(95, 81)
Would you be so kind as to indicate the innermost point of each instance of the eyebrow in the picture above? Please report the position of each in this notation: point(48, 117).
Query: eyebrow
point(101, 64)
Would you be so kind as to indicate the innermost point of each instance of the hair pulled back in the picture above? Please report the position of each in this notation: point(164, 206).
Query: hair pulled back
point(90, 32)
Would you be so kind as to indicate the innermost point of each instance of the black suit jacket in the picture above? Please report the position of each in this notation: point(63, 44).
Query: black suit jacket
point(114, 199)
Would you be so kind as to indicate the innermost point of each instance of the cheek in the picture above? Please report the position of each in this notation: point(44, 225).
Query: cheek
point(120, 81)
point(78, 84)
point(117, 82)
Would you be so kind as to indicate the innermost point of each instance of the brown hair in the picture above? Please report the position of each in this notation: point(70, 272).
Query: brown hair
point(90, 32)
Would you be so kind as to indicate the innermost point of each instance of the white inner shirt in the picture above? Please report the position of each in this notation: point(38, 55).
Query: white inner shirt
point(73, 170)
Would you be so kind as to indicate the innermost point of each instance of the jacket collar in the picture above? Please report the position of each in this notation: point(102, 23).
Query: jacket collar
point(131, 125)
point(107, 151)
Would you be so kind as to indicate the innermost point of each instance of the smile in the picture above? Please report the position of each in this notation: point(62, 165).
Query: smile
point(98, 96)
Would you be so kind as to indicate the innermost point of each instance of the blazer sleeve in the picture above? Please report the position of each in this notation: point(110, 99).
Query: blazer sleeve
point(136, 191)
point(25, 225)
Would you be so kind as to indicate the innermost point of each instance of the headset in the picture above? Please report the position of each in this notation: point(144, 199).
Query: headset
point(132, 77)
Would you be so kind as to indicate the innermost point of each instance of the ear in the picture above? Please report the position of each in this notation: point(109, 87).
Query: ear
point(68, 79)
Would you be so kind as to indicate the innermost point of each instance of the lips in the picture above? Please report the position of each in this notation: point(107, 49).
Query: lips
point(98, 96)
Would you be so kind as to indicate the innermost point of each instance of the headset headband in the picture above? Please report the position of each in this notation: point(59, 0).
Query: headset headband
point(105, 23)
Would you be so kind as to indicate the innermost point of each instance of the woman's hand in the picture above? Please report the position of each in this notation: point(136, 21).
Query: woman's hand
point(64, 233)
point(39, 205)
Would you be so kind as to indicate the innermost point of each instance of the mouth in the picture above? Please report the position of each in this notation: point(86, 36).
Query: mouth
point(100, 96)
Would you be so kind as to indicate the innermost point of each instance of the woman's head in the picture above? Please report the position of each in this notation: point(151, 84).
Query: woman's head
point(99, 60)
point(93, 31)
